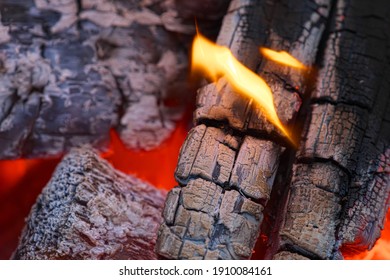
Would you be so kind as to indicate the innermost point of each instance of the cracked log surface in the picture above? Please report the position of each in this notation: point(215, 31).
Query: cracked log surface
point(88, 210)
point(345, 145)
point(72, 70)
point(235, 156)
point(334, 190)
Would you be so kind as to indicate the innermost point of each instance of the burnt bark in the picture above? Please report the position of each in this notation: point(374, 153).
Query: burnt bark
point(233, 147)
point(346, 139)
point(72, 70)
point(334, 190)
point(88, 210)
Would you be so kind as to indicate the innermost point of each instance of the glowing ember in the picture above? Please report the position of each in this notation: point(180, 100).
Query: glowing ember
point(156, 166)
point(215, 62)
point(282, 57)
point(381, 249)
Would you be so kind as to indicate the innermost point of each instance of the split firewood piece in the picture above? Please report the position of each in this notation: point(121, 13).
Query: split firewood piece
point(357, 74)
point(88, 210)
point(339, 194)
point(204, 221)
point(72, 70)
point(227, 179)
point(247, 164)
point(244, 165)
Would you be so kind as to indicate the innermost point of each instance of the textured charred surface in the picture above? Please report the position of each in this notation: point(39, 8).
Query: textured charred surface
point(369, 196)
point(71, 70)
point(204, 221)
point(44, 110)
point(339, 194)
point(347, 124)
point(293, 26)
point(90, 211)
point(234, 161)
point(313, 209)
point(334, 190)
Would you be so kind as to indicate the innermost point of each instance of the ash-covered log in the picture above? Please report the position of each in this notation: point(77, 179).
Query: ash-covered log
point(88, 210)
point(72, 70)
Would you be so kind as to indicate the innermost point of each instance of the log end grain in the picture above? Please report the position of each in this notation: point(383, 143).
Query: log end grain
point(203, 221)
point(88, 210)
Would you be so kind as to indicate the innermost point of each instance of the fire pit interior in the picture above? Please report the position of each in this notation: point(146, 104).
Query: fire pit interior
point(177, 129)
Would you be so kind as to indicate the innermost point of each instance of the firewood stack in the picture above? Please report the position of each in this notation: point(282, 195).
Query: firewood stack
point(72, 70)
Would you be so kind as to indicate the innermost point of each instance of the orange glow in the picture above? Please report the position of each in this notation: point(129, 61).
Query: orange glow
point(22, 180)
point(14, 172)
point(11, 173)
point(282, 57)
point(20, 183)
point(156, 166)
point(381, 249)
point(215, 61)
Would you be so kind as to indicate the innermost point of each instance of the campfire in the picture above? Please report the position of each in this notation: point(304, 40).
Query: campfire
point(112, 148)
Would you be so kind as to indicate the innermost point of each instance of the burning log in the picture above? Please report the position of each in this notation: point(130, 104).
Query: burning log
point(73, 70)
point(341, 176)
point(234, 155)
point(334, 191)
point(88, 210)
point(312, 176)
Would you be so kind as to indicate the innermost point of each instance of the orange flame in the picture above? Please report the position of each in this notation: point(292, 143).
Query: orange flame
point(215, 62)
point(282, 57)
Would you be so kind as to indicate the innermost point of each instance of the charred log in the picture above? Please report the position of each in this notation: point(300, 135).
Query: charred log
point(334, 191)
point(346, 140)
point(88, 210)
point(240, 154)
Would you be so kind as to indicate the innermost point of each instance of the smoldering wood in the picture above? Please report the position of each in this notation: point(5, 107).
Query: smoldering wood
point(368, 198)
point(212, 154)
point(211, 158)
point(72, 70)
point(338, 194)
point(214, 103)
point(312, 214)
point(204, 221)
point(265, 24)
point(42, 115)
point(233, 155)
point(356, 185)
point(347, 124)
point(88, 210)
point(349, 130)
